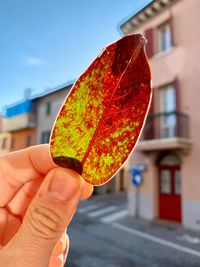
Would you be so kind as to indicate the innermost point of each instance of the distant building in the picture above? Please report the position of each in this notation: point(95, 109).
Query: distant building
point(170, 144)
point(1, 119)
point(5, 139)
point(30, 122)
point(48, 106)
point(5, 142)
point(18, 125)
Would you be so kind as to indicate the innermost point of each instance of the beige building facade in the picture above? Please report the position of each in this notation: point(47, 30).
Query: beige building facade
point(5, 143)
point(169, 148)
point(18, 126)
point(48, 106)
point(5, 139)
point(30, 122)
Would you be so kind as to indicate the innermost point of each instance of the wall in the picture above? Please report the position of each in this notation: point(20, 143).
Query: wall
point(1, 120)
point(45, 122)
point(182, 61)
point(19, 139)
point(6, 136)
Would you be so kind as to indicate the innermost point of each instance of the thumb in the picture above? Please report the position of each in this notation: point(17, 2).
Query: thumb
point(48, 216)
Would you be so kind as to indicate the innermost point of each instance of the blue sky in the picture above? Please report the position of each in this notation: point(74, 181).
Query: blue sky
point(47, 43)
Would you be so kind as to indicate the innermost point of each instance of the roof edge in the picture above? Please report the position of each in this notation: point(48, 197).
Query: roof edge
point(150, 10)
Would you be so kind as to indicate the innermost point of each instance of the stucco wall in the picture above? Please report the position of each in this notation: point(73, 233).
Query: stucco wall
point(191, 215)
point(5, 150)
point(45, 122)
point(181, 61)
point(20, 139)
point(144, 205)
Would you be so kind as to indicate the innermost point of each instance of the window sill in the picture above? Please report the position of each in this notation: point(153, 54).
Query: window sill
point(163, 53)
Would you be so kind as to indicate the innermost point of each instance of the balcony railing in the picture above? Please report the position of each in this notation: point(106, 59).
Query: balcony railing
point(19, 122)
point(166, 125)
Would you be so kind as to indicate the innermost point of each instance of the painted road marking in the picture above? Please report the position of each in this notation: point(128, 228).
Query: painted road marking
point(94, 214)
point(188, 238)
point(114, 216)
point(157, 240)
point(88, 208)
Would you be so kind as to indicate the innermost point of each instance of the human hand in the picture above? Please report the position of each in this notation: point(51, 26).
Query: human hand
point(37, 202)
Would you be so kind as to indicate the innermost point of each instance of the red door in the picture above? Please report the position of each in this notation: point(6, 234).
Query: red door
point(170, 193)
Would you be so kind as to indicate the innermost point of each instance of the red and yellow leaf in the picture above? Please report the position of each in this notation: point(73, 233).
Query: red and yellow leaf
point(101, 119)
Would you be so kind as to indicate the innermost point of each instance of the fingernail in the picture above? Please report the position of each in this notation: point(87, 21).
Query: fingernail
point(64, 185)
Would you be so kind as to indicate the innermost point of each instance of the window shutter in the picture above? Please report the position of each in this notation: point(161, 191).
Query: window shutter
point(176, 85)
point(149, 34)
point(152, 112)
point(171, 23)
point(149, 130)
point(179, 127)
point(151, 109)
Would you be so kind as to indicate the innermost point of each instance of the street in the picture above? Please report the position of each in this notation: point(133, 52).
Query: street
point(102, 234)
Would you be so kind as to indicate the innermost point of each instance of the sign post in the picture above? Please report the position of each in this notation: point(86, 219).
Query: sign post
point(136, 180)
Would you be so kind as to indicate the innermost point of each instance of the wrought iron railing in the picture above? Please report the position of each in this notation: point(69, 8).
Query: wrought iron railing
point(166, 125)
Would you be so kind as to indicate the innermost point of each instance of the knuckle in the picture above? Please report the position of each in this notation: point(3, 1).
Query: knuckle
point(45, 222)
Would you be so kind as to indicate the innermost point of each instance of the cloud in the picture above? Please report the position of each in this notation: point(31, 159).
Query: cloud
point(34, 61)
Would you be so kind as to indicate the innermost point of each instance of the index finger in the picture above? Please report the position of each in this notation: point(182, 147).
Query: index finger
point(20, 167)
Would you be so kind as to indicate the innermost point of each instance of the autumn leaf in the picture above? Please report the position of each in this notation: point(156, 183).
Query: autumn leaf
point(102, 118)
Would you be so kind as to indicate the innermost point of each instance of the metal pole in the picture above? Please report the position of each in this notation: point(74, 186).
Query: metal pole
point(137, 202)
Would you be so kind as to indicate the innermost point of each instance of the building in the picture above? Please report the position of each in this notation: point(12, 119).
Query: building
point(24, 123)
point(5, 142)
point(18, 126)
point(48, 106)
point(5, 139)
point(170, 146)
point(1, 119)
point(30, 122)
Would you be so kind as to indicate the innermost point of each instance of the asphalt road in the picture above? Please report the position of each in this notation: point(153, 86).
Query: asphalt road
point(102, 234)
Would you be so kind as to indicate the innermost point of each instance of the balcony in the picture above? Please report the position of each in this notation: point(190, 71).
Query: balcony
point(165, 131)
point(19, 122)
point(19, 116)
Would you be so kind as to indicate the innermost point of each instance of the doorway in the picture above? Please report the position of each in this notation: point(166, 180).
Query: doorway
point(170, 191)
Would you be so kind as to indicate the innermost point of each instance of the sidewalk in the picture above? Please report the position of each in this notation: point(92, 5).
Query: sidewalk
point(164, 233)
point(161, 232)
point(103, 234)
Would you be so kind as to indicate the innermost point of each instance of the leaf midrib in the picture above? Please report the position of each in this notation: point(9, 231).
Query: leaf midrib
point(133, 57)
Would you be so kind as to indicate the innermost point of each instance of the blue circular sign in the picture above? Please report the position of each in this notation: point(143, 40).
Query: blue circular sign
point(136, 178)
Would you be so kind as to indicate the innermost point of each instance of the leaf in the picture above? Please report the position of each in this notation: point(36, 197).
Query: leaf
point(101, 119)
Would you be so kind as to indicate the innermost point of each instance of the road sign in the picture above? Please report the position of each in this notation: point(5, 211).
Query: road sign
point(139, 167)
point(136, 178)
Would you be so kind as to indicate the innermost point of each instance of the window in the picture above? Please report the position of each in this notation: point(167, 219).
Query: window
point(165, 182)
point(4, 143)
point(177, 182)
point(45, 137)
point(167, 98)
point(168, 122)
point(48, 108)
point(28, 140)
point(164, 37)
point(12, 143)
point(170, 179)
